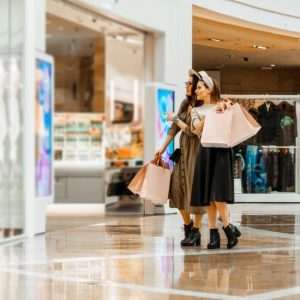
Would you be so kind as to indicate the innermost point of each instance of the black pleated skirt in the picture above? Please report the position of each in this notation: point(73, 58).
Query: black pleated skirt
point(213, 177)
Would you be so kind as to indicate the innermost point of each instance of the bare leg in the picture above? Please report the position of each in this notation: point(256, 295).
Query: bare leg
point(198, 220)
point(186, 217)
point(212, 215)
point(222, 208)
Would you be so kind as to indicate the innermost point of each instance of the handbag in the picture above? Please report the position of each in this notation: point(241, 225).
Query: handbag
point(117, 185)
point(176, 155)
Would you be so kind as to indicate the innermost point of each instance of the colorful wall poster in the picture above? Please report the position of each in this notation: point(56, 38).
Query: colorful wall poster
point(43, 119)
point(165, 103)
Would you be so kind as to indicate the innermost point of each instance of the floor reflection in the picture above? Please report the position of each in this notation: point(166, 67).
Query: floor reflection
point(285, 223)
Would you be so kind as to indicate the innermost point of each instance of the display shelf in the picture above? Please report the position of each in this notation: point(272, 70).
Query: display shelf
point(117, 163)
point(78, 137)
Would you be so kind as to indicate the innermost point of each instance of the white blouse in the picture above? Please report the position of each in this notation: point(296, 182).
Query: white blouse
point(198, 114)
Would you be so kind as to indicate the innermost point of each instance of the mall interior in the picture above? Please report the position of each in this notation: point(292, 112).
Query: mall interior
point(84, 85)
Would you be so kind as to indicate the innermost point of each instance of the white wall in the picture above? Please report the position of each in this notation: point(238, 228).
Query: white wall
point(289, 7)
point(279, 16)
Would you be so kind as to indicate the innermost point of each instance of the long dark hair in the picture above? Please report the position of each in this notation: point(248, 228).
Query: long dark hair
point(192, 99)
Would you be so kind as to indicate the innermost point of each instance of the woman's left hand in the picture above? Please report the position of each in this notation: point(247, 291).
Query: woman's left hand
point(170, 117)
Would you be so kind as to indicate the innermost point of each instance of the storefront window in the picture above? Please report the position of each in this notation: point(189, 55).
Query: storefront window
point(11, 176)
point(266, 163)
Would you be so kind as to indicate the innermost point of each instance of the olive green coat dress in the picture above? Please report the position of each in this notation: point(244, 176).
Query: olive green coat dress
point(183, 172)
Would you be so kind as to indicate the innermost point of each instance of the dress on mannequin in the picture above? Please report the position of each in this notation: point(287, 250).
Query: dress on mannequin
point(4, 169)
point(3, 118)
point(14, 109)
point(14, 121)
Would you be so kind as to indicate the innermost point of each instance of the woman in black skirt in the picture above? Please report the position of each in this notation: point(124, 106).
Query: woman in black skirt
point(213, 175)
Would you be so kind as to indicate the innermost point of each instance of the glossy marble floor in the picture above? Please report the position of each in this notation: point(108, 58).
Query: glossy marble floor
point(136, 257)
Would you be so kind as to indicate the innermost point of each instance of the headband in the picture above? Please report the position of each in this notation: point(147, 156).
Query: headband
point(207, 79)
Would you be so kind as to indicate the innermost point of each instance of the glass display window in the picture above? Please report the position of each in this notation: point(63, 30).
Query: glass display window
point(267, 162)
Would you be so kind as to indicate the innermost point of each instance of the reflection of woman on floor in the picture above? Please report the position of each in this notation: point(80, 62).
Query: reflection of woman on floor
point(213, 176)
point(183, 172)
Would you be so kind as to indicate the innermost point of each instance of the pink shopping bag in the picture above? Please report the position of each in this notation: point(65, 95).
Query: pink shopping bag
point(156, 183)
point(137, 182)
point(244, 126)
point(217, 129)
point(229, 128)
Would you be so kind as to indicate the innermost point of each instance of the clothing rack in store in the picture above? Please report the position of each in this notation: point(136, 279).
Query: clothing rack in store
point(263, 97)
point(280, 147)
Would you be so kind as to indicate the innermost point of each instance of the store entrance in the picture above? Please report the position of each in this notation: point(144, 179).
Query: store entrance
point(258, 69)
point(99, 84)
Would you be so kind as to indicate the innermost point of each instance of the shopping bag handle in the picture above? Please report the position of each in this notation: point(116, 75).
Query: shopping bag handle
point(157, 161)
point(223, 105)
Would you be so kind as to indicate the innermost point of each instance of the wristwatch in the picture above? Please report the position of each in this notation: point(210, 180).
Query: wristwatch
point(176, 119)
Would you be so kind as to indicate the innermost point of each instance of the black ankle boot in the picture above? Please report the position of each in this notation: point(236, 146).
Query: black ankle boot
point(187, 229)
point(235, 230)
point(214, 242)
point(194, 238)
point(232, 234)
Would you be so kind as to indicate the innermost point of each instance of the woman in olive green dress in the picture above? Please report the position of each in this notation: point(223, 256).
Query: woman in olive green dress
point(183, 172)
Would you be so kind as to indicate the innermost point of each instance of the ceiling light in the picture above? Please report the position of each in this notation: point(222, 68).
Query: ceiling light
point(120, 38)
point(260, 47)
point(215, 40)
point(272, 66)
point(134, 42)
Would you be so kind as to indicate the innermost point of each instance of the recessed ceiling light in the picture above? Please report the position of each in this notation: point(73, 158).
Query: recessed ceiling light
point(266, 68)
point(215, 40)
point(134, 42)
point(120, 38)
point(260, 47)
point(272, 66)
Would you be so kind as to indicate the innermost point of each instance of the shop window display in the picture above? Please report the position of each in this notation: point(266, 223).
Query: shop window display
point(266, 163)
point(79, 137)
point(124, 136)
